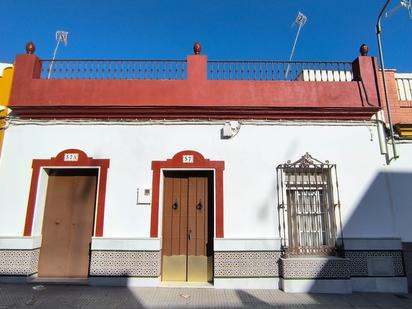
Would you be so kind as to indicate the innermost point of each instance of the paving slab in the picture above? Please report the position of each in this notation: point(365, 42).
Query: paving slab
point(58, 296)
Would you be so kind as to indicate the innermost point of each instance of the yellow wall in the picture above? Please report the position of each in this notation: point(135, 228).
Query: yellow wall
point(5, 88)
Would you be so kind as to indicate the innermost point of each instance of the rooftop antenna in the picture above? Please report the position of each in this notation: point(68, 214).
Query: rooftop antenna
point(403, 4)
point(61, 36)
point(300, 21)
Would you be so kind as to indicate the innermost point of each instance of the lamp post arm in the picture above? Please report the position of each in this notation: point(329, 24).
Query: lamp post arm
point(378, 22)
point(388, 109)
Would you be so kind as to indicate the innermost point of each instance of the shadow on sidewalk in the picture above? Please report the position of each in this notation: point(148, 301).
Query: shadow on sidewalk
point(248, 299)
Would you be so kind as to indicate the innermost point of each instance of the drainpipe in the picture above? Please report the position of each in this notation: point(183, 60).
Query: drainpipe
point(388, 109)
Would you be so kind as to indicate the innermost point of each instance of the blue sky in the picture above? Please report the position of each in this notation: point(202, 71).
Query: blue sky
point(227, 29)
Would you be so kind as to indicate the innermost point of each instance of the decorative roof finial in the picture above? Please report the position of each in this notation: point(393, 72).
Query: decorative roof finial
point(197, 48)
point(30, 48)
point(364, 50)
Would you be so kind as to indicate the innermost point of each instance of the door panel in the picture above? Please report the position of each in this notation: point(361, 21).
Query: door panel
point(186, 231)
point(183, 216)
point(191, 246)
point(201, 209)
point(176, 199)
point(167, 216)
point(197, 268)
point(197, 258)
point(174, 235)
point(174, 268)
point(68, 223)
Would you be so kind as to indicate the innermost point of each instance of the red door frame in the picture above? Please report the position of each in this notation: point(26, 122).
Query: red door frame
point(190, 160)
point(67, 158)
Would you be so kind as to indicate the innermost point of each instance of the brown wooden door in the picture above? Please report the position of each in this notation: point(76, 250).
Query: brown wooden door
point(68, 223)
point(187, 232)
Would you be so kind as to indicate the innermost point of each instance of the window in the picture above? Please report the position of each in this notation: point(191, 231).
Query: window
point(404, 86)
point(307, 195)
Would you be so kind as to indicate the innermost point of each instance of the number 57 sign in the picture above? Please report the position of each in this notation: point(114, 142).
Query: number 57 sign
point(187, 159)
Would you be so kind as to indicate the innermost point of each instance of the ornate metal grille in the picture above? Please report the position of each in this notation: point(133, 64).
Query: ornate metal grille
point(308, 206)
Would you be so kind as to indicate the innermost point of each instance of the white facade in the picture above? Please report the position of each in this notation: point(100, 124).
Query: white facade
point(250, 159)
point(375, 198)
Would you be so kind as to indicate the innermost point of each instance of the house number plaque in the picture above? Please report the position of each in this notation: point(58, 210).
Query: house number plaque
point(188, 159)
point(71, 157)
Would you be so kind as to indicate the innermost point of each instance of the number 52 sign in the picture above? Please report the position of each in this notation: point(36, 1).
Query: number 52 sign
point(71, 157)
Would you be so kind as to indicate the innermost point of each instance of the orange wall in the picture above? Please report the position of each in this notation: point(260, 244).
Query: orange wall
point(5, 88)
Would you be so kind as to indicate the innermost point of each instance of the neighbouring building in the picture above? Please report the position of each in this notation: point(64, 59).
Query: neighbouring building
point(6, 76)
point(399, 87)
point(236, 174)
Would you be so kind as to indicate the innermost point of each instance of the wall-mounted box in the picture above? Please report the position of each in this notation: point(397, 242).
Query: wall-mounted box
point(144, 196)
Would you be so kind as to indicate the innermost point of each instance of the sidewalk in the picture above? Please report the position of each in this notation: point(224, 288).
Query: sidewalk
point(46, 296)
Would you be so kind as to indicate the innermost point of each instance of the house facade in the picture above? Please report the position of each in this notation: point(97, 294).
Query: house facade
point(236, 174)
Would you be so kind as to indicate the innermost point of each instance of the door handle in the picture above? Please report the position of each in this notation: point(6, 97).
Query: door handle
point(190, 234)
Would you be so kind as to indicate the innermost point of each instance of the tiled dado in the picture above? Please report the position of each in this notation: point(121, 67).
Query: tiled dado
point(359, 261)
point(407, 256)
point(314, 268)
point(125, 263)
point(19, 262)
point(246, 264)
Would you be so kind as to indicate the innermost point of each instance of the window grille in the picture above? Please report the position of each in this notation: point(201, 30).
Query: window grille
point(308, 205)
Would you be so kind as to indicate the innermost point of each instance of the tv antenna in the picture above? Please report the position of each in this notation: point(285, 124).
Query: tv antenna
point(61, 36)
point(403, 4)
point(300, 21)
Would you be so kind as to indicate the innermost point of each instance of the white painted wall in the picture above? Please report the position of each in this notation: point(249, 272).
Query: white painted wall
point(399, 177)
point(251, 157)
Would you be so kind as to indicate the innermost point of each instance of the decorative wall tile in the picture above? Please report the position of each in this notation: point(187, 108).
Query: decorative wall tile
point(125, 263)
point(407, 256)
point(314, 268)
point(246, 264)
point(19, 262)
point(359, 261)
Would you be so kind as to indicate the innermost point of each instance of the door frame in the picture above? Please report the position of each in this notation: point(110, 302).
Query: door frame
point(187, 160)
point(69, 158)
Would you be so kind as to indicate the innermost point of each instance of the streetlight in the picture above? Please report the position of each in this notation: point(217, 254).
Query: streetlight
point(378, 35)
point(406, 4)
point(60, 36)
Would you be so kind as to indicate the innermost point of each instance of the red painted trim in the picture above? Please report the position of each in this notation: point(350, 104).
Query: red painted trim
point(59, 162)
point(101, 197)
point(195, 97)
point(199, 162)
point(202, 112)
point(155, 203)
point(32, 198)
point(219, 201)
